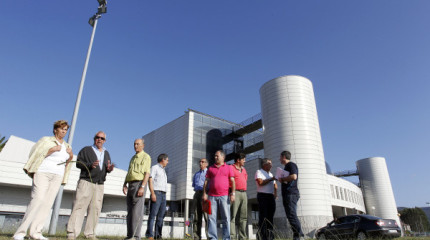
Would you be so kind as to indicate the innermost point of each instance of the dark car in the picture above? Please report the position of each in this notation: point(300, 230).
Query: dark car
point(360, 227)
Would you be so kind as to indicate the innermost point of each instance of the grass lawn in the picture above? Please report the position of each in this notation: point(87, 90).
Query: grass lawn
point(8, 236)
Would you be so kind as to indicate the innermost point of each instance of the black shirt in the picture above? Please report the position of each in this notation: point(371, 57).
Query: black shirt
point(291, 187)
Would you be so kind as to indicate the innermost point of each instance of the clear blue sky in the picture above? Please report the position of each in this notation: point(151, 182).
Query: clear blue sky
point(153, 59)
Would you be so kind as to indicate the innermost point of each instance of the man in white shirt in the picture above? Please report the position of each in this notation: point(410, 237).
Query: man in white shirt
point(266, 195)
point(158, 188)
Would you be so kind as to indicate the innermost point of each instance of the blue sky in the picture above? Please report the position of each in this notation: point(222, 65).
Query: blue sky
point(151, 60)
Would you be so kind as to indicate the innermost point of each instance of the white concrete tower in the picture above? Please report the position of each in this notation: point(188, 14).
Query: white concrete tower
point(376, 187)
point(290, 122)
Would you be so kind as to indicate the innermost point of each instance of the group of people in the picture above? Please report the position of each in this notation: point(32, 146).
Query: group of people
point(223, 185)
point(49, 167)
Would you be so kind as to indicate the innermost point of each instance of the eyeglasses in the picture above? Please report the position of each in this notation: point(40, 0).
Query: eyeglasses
point(98, 137)
point(203, 161)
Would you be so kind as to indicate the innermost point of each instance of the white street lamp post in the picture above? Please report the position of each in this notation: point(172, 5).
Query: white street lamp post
point(93, 22)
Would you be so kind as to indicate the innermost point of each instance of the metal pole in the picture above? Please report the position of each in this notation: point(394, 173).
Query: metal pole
point(187, 205)
point(57, 203)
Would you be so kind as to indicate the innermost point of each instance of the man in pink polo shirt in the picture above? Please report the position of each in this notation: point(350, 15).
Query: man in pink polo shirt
point(239, 208)
point(220, 177)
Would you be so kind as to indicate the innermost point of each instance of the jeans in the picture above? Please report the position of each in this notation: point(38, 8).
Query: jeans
point(290, 206)
point(158, 209)
point(267, 208)
point(223, 203)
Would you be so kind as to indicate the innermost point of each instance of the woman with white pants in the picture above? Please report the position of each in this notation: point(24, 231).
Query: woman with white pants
point(48, 166)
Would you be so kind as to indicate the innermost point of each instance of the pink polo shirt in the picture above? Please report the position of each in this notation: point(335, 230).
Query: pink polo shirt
point(219, 179)
point(240, 178)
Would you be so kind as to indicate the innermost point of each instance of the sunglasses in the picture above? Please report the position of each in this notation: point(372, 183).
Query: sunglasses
point(98, 137)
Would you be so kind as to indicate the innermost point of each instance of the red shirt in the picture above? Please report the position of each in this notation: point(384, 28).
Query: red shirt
point(240, 178)
point(219, 180)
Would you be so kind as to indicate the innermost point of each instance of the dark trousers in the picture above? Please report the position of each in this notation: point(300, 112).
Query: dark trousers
point(157, 209)
point(135, 209)
point(198, 215)
point(267, 208)
point(290, 206)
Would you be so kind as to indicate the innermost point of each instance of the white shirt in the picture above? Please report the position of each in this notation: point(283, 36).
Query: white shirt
point(159, 178)
point(263, 175)
point(50, 163)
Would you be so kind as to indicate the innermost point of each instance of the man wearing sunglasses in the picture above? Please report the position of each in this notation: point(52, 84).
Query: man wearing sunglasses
point(94, 162)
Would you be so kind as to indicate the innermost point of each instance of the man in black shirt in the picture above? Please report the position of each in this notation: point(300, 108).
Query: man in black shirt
point(290, 193)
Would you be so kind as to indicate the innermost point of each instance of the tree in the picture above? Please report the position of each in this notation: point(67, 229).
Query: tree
point(2, 143)
point(416, 218)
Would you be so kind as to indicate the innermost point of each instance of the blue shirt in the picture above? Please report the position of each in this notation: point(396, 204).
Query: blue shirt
point(199, 180)
point(100, 155)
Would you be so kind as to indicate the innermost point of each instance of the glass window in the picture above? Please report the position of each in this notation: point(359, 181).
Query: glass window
point(333, 195)
point(197, 117)
point(206, 120)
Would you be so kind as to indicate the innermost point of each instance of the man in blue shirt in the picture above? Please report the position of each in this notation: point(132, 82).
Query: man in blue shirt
point(198, 182)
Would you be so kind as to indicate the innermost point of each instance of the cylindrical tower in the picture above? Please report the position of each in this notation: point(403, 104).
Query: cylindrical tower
point(290, 122)
point(376, 187)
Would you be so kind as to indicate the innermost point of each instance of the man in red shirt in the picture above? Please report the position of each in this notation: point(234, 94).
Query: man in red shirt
point(220, 177)
point(239, 208)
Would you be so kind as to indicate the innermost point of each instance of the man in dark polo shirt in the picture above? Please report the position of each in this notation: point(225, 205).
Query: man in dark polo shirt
point(290, 193)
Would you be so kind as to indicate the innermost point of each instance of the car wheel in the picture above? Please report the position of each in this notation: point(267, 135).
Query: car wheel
point(361, 236)
point(322, 237)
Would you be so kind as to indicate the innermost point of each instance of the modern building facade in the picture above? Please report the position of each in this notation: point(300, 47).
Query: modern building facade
point(288, 121)
point(376, 186)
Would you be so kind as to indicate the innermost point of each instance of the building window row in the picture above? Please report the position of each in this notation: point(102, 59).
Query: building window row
point(345, 195)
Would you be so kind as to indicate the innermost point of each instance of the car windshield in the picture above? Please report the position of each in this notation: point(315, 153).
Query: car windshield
point(371, 217)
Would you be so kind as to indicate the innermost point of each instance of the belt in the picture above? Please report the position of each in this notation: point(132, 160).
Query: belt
point(135, 181)
point(240, 190)
point(159, 191)
point(198, 191)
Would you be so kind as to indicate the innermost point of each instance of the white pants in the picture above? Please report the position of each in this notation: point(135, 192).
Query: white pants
point(43, 192)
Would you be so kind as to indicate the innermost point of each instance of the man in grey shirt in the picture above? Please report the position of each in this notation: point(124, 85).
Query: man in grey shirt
point(158, 188)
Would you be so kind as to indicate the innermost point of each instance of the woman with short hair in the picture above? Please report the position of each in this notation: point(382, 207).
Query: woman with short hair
point(48, 166)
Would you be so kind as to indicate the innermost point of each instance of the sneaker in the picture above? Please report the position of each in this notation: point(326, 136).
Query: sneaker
point(41, 237)
point(18, 237)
